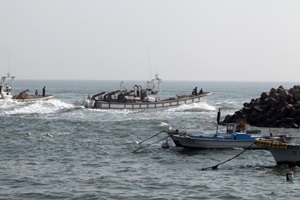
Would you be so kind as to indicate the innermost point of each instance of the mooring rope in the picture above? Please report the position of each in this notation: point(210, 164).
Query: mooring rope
point(216, 166)
point(149, 144)
point(151, 137)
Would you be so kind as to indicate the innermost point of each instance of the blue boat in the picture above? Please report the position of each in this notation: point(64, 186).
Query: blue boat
point(220, 140)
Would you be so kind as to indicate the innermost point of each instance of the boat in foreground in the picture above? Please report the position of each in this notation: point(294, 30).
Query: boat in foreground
point(6, 92)
point(282, 152)
point(229, 139)
point(139, 98)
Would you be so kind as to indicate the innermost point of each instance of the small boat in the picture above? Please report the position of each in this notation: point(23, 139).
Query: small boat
point(229, 139)
point(6, 91)
point(282, 152)
point(139, 98)
point(233, 137)
point(220, 140)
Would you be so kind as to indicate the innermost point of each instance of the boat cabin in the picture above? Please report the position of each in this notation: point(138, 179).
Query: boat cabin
point(5, 87)
point(231, 128)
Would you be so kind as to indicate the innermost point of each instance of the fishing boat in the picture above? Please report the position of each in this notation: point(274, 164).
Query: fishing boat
point(6, 91)
point(139, 98)
point(282, 152)
point(233, 137)
point(220, 140)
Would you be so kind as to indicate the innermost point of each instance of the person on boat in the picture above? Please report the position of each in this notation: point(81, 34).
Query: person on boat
point(44, 91)
point(201, 91)
point(1, 96)
point(36, 92)
point(195, 91)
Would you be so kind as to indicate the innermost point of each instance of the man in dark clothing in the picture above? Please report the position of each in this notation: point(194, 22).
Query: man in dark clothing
point(44, 91)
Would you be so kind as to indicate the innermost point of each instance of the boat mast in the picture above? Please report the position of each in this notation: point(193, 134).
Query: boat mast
point(149, 63)
point(218, 120)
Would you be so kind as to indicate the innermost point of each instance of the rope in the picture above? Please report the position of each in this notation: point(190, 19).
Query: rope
point(151, 137)
point(216, 166)
point(150, 144)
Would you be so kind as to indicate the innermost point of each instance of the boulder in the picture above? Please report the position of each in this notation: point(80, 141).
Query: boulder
point(276, 108)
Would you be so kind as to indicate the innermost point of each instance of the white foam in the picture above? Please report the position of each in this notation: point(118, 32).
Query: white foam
point(199, 106)
point(40, 107)
point(7, 103)
point(163, 124)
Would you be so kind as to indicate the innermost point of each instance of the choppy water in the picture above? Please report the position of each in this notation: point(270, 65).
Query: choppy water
point(90, 154)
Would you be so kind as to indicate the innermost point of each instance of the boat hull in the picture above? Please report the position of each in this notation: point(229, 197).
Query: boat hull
point(212, 142)
point(34, 98)
point(289, 155)
point(140, 105)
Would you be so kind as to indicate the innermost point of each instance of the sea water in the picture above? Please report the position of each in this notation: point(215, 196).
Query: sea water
point(57, 149)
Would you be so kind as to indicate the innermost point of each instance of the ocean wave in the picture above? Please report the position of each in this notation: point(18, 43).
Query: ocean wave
point(38, 107)
point(196, 107)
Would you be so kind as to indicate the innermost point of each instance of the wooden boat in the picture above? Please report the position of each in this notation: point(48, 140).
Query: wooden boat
point(6, 91)
point(139, 98)
point(282, 152)
point(220, 140)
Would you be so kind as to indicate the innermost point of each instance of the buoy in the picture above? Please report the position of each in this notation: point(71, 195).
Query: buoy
point(165, 145)
point(49, 135)
point(289, 176)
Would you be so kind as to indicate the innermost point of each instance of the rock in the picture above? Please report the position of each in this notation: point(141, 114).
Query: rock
point(277, 108)
point(282, 92)
point(270, 100)
point(296, 97)
point(265, 95)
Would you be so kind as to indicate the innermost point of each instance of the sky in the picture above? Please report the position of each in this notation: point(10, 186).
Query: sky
point(202, 40)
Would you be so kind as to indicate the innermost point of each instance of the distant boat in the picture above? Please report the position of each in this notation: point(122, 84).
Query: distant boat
point(6, 91)
point(139, 98)
point(282, 152)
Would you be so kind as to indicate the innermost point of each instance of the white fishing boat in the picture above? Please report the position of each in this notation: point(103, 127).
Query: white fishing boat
point(6, 91)
point(282, 152)
point(139, 98)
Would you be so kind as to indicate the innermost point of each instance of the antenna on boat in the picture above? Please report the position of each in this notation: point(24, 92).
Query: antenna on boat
point(218, 119)
point(8, 61)
point(149, 62)
point(219, 116)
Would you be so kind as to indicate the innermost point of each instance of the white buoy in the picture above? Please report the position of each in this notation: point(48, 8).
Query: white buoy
point(49, 135)
point(289, 176)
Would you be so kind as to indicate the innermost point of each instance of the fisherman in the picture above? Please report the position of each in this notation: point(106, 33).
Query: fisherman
point(194, 91)
point(36, 92)
point(44, 91)
point(201, 91)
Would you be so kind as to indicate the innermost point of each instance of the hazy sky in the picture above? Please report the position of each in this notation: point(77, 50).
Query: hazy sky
point(254, 40)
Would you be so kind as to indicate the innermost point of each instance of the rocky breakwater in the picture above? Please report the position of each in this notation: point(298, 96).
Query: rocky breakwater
point(276, 108)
